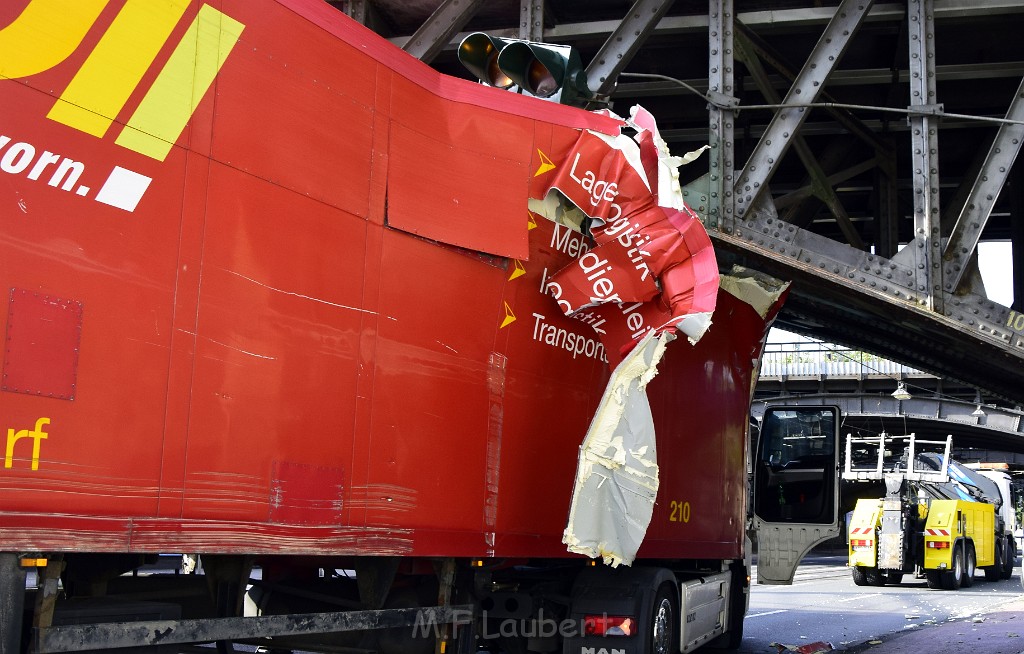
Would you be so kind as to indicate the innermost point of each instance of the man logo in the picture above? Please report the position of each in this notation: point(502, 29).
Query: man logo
point(48, 31)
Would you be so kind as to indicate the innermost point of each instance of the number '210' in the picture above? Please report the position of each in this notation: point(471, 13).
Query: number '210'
point(678, 511)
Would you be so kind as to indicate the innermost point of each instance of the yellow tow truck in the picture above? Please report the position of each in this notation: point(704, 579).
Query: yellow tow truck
point(938, 517)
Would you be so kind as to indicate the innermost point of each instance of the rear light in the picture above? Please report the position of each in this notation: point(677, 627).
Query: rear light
point(938, 544)
point(861, 543)
point(608, 625)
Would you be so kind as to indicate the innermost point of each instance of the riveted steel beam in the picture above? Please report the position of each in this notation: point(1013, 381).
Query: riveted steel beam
point(620, 47)
point(1017, 237)
point(356, 10)
point(722, 157)
point(963, 240)
point(571, 33)
point(925, 252)
point(443, 24)
point(531, 20)
point(800, 17)
point(833, 274)
point(809, 82)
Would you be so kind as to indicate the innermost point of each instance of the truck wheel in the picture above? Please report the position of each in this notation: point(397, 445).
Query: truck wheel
point(934, 578)
point(969, 565)
point(995, 571)
point(1009, 558)
point(664, 630)
point(952, 578)
point(875, 578)
point(859, 576)
point(894, 577)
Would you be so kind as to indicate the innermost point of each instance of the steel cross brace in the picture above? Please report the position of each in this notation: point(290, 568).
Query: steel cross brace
point(623, 43)
point(808, 85)
point(989, 182)
point(822, 188)
point(432, 37)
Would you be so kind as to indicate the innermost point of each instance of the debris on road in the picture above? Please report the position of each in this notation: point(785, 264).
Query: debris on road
point(811, 648)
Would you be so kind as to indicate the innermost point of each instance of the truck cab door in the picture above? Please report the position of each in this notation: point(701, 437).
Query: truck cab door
point(796, 487)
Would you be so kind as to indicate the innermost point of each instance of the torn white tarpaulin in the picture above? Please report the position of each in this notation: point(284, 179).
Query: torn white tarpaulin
point(758, 290)
point(617, 475)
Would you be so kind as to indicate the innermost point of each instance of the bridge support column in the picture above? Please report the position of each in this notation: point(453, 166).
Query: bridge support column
point(720, 138)
point(925, 252)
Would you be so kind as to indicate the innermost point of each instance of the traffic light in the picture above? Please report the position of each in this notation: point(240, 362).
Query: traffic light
point(479, 53)
point(543, 70)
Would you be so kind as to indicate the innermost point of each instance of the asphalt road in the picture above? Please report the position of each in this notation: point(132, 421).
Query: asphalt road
point(823, 604)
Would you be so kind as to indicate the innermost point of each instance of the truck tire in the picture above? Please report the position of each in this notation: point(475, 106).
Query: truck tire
point(934, 578)
point(1010, 558)
point(860, 578)
point(894, 577)
point(952, 578)
point(995, 572)
point(875, 578)
point(663, 634)
point(970, 560)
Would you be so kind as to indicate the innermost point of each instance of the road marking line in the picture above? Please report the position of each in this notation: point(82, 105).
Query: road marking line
point(758, 615)
point(857, 597)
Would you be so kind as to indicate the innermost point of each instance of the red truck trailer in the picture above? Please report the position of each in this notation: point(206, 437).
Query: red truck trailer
point(275, 296)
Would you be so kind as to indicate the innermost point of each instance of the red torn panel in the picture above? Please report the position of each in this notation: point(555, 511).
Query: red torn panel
point(654, 264)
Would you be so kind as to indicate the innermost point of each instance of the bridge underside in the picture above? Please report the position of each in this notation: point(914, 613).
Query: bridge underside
point(972, 426)
point(961, 347)
point(860, 149)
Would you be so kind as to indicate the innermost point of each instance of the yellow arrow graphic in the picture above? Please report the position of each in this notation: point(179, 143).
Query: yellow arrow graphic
point(531, 222)
point(509, 317)
point(518, 270)
point(545, 164)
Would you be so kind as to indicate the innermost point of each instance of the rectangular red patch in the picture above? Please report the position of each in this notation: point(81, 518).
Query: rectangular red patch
point(43, 335)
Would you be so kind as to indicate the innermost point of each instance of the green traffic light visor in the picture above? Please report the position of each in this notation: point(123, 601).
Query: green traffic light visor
point(536, 69)
point(479, 53)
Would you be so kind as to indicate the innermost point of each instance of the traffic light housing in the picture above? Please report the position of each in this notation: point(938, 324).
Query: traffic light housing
point(479, 53)
point(544, 70)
